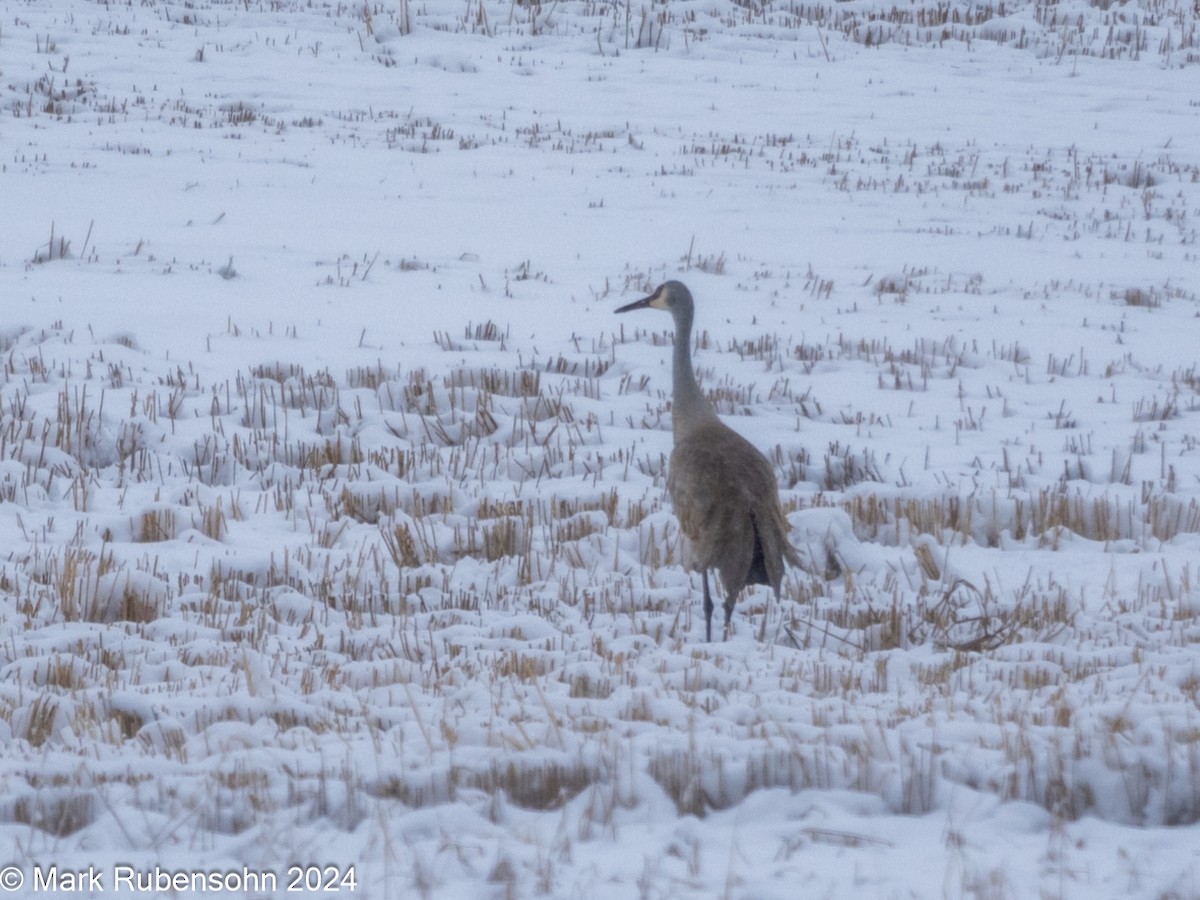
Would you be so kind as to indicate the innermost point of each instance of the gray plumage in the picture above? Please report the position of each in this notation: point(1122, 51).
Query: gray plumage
point(722, 489)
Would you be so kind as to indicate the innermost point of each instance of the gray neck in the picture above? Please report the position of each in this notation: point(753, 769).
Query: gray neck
point(690, 407)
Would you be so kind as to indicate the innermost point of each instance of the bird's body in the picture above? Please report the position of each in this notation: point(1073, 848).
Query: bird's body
point(722, 489)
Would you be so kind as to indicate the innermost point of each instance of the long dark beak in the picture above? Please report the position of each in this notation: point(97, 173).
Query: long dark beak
point(644, 303)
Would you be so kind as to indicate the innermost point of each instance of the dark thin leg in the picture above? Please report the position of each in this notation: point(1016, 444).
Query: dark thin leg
point(708, 608)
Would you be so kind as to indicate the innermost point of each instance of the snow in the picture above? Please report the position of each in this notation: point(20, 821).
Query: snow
point(333, 529)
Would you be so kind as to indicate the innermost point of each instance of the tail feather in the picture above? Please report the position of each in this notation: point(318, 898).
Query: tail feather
point(771, 551)
point(758, 564)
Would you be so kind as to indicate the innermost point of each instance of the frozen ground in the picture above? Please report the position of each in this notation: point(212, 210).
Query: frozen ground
point(332, 517)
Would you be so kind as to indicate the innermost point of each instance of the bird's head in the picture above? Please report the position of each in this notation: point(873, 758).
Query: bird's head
point(672, 296)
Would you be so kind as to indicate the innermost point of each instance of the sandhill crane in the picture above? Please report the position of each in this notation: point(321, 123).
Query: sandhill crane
point(722, 489)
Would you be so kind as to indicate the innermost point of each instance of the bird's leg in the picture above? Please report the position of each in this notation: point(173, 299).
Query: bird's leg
point(708, 608)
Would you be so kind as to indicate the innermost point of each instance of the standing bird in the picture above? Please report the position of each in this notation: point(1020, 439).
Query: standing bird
point(723, 490)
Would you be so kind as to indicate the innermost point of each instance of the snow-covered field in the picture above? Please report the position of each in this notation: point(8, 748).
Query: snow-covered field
point(334, 545)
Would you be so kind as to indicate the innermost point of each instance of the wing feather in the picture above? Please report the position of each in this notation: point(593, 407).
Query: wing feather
point(725, 496)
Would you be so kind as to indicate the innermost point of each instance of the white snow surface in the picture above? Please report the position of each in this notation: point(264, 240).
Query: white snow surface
point(334, 543)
